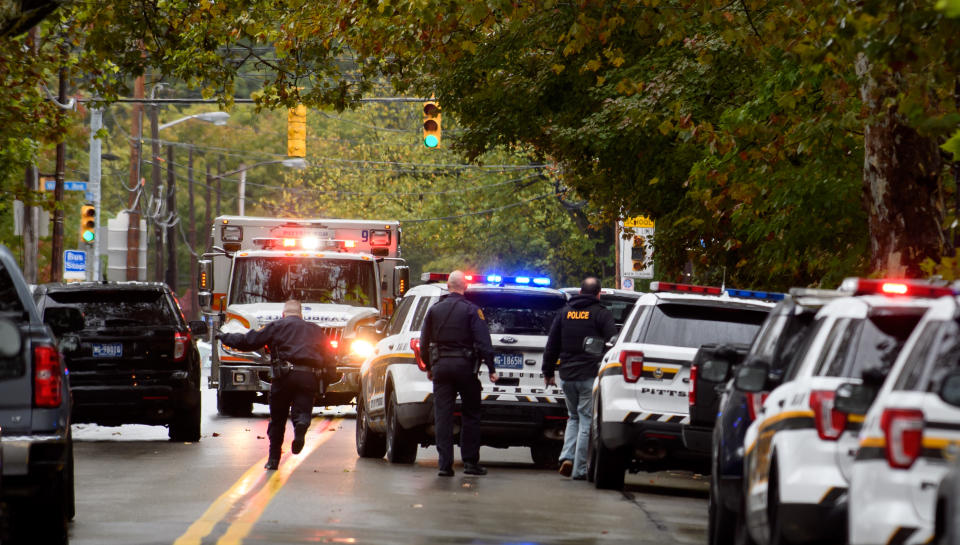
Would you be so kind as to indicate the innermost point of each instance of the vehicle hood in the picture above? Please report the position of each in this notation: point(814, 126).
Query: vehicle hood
point(257, 315)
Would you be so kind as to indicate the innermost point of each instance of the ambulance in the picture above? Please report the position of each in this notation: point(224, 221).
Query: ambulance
point(347, 274)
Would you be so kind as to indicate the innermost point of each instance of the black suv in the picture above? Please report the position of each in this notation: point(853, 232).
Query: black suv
point(37, 449)
point(134, 359)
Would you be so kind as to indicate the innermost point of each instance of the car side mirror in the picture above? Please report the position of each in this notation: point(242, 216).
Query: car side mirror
point(401, 280)
point(63, 320)
point(611, 342)
point(950, 389)
point(10, 340)
point(853, 398)
point(715, 370)
point(380, 326)
point(753, 377)
point(205, 285)
point(198, 328)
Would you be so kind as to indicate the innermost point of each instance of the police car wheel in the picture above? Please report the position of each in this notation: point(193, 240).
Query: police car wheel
point(546, 454)
point(401, 447)
point(610, 464)
point(774, 522)
point(370, 444)
point(720, 520)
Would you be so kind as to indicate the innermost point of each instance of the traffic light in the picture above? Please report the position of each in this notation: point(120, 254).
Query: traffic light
point(431, 124)
point(297, 131)
point(88, 223)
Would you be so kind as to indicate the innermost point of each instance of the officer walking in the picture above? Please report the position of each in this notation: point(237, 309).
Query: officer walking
point(577, 338)
point(297, 349)
point(456, 337)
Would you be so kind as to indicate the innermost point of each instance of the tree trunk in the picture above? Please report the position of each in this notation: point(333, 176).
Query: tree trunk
point(901, 182)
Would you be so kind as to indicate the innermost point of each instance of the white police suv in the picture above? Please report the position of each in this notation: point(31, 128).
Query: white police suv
point(799, 449)
point(640, 396)
point(909, 437)
point(395, 405)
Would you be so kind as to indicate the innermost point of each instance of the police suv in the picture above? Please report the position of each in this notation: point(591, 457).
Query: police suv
point(640, 397)
point(910, 435)
point(395, 405)
point(799, 449)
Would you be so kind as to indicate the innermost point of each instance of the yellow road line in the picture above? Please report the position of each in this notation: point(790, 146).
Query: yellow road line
point(241, 527)
point(220, 507)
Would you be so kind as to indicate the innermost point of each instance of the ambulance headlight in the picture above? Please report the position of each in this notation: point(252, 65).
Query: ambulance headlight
point(310, 243)
point(361, 348)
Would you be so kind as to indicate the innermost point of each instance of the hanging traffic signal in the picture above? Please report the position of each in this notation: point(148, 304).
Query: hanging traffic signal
point(297, 131)
point(431, 124)
point(88, 223)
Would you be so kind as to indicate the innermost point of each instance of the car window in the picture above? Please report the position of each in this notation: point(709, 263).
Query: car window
point(694, 325)
point(765, 343)
point(837, 347)
point(421, 312)
point(396, 321)
point(519, 314)
point(620, 307)
point(9, 298)
point(793, 365)
point(916, 364)
point(118, 308)
point(946, 357)
point(874, 342)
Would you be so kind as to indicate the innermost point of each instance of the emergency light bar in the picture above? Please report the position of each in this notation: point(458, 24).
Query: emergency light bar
point(658, 286)
point(495, 279)
point(909, 288)
point(305, 243)
point(751, 294)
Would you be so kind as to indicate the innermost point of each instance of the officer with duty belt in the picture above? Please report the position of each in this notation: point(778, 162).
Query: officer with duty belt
point(457, 339)
point(297, 350)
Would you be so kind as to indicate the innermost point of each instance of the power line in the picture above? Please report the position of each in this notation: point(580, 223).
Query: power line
point(481, 212)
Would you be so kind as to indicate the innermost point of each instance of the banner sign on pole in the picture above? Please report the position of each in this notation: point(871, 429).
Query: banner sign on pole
point(636, 247)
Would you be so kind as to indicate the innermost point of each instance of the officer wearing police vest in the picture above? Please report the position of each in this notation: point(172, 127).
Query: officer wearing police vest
point(577, 339)
point(457, 339)
point(297, 350)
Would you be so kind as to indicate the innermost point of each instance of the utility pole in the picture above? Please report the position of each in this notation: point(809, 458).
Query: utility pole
point(155, 177)
point(56, 257)
point(242, 189)
point(133, 227)
point(172, 227)
point(96, 122)
point(192, 235)
point(219, 179)
point(207, 218)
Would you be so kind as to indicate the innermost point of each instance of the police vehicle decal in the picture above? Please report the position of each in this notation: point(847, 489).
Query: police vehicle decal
point(934, 448)
point(901, 535)
point(633, 417)
point(610, 370)
point(521, 398)
point(790, 420)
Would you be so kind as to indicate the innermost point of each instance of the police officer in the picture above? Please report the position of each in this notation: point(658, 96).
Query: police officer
point(577, 338)
point(456, 337)
point(297, 349)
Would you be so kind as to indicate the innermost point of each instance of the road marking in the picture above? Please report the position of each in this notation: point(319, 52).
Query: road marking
point(220, 507)
point(247, 518)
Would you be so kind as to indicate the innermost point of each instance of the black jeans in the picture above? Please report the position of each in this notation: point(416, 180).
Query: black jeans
point(293, 395)
point(450, 377)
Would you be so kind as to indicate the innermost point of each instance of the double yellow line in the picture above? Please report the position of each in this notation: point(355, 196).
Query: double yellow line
point(251, 510)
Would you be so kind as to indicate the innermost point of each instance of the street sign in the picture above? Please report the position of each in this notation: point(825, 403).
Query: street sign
point(636, 248)
point(74, 265)
point(72, 185)
point(627, 283)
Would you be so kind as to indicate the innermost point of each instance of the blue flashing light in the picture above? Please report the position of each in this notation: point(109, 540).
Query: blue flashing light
point(522, 280)
point(750, 294)
point(494, 278)
point(541, 281)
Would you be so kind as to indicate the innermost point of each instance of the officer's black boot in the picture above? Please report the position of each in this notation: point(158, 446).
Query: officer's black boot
point(299, 436)
point(474, 469)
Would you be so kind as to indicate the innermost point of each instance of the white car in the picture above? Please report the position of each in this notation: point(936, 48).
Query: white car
point(640, 396)
point(909, 437)
point(799, 449)
point(395, 405)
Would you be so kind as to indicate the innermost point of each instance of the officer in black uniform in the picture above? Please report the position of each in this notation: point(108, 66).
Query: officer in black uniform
point(456, 337)
point(297, 350)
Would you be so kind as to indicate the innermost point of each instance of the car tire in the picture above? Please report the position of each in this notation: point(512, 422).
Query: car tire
point(70, 496)
point(609, 464)
point(234, 403)
point(186, 425)
point(546, 454)
point(774, 520)
point(401, 447)
point(44, 517)
point(370, 444)
point(721, 522)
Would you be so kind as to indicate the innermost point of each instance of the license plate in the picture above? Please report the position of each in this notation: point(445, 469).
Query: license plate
point(508, 361)
point(107, 350)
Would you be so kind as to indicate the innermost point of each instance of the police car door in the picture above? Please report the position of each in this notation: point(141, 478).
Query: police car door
point(391, 344)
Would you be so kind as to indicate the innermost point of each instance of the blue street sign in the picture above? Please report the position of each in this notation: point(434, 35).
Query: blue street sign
point(72, 185)
point(74, 261)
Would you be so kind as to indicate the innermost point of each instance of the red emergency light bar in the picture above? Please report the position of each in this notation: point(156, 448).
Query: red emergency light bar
point(908, 288)
point(442, 277)
point(684, 288)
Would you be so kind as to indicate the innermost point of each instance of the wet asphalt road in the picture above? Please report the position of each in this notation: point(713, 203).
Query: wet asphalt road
point(136, 487)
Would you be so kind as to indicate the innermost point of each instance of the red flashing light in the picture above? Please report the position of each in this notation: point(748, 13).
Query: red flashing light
point(334, 344)
point(684, 288)
point(903, 431)
point(434, 277)
point(289, 242)
point(47, 382)
point(909, 288)
point(468, 277)
point(349, 243)
point(830, 422)
point(631, 364)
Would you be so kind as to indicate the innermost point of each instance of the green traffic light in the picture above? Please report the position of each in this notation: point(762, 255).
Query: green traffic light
point(431, 141)
point(88, 236)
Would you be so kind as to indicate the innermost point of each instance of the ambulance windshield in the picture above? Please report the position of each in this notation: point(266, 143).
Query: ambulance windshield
point(308, 279)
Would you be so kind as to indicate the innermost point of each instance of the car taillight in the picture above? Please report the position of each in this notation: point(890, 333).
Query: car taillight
point(180, 343)
point(830, 423)
point(903, 430)
point(47, 380)
point(415, 346)
point(631, 362)
point(692, 398)
point(754, 402)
